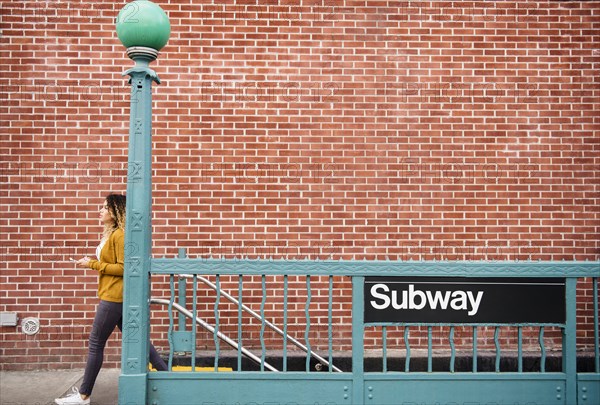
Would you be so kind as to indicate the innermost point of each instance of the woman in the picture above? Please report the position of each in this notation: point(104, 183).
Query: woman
point(110, 264)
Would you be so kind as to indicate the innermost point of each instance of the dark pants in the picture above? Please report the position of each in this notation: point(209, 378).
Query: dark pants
point(108, 315)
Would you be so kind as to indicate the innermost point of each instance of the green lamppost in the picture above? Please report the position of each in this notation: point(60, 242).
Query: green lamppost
point(143, 28)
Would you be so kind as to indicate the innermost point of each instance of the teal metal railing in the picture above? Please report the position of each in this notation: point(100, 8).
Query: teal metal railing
point(249, 268)
point(519, 353)
point(184, 339)
point(316, 305)
point(242, 308)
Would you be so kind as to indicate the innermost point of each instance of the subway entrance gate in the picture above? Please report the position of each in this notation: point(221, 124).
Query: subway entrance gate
point(274, 380)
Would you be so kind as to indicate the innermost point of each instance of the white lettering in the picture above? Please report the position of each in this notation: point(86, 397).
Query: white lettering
point(417, 299)
point(459, 301)
point(395, 304)
point(412, 293)
point(376, 295)
point(438, 298)
point(474, 303)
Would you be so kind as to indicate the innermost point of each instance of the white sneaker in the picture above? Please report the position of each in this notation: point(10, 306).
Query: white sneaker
point(73, 398)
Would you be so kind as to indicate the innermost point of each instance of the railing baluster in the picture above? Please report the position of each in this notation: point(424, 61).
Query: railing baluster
point(596, 332)
point(542, 350)
point(520, 348)
point(182, 284)
point(239, 350)
point(570, 342)
point(407, 346)
point(330, 326)
point(429, 349)
point(285, 320)
point(452, 349)
point(181, 300)
point(307, 315)
point(263, 348)
point(497, 345)
point(384, 351)
point(170, 309)
point(474, 349)
point(216, 332)
point(358, 339)
point(195, 313)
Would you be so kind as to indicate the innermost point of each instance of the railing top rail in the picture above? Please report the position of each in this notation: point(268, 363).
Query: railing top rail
point(542, 269)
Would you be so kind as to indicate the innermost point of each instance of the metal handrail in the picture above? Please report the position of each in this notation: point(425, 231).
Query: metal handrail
point(267, 323)
point(211, 329)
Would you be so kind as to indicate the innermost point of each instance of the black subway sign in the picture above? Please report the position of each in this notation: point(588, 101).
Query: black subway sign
point(464, 300)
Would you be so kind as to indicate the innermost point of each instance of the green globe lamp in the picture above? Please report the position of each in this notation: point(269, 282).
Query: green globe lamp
point(144, 29)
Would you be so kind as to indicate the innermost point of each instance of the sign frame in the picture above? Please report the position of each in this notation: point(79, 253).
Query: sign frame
point(464, 300)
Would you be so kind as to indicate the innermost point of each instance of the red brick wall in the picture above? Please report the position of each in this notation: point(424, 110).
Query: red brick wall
point(319, 129)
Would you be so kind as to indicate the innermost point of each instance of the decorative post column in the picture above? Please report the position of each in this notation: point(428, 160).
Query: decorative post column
point(143, 28)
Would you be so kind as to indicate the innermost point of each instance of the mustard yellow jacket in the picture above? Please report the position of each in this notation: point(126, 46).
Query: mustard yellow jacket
point(110, 267)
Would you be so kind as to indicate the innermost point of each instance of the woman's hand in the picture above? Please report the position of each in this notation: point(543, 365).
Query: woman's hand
point(83, 262)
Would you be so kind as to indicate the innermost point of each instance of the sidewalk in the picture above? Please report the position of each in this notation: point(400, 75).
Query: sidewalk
point(41, 387)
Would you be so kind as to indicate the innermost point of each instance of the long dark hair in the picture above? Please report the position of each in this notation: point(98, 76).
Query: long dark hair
point(116, 209)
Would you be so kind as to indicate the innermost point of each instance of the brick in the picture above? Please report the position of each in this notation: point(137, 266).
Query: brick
point(366, 130)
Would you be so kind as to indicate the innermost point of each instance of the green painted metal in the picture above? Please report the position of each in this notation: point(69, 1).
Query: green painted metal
point(181, 287)
point(497, 346)
point(136, 315)
point(596, 327)
point(195, 315)
point(520, 348)
point(285, 320)
point(452, 349)
point(216, 331)
point(330, 324)
point(588, 388)
point(387, 387)
point(250, 388)
point(138, 229)
point(542, 350)
point(407, 347)
point(570, 342)
point(384, 348)
point(474, 349)
point(182, 294)
point(349, 268)
point(358, 340)
point(240, 304)
point(465, 388)
point(429, 349)
point(171, 329)
point(182, 339)
point(307, 317)
point(263, 301)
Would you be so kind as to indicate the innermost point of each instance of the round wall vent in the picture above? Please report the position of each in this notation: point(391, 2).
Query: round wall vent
point(30, 326)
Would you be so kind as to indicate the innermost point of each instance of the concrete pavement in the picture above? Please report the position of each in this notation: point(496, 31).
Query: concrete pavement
point(41, 387)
